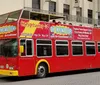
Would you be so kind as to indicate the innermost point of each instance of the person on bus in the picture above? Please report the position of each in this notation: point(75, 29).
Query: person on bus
point(54, 21)
point(59, 22)
point(70, 23)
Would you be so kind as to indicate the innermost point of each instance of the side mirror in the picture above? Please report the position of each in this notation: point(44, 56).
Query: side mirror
point(21, 49)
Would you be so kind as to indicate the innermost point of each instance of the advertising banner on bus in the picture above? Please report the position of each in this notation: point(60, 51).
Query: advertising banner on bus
point(35, 29)
point(8, 30)
point(82, 33)
point(60, 31)
point(41, 29)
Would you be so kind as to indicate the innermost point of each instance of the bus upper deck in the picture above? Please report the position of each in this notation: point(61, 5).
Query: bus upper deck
point(16, 24)
point(31, 14)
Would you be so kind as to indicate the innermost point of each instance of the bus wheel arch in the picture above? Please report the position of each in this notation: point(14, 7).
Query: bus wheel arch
point(42, 68)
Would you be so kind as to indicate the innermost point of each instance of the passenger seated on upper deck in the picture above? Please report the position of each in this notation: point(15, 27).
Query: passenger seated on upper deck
point(54, 21)
point(70, 24)
point(64, 22)
point(59, 22)
point(33, 17)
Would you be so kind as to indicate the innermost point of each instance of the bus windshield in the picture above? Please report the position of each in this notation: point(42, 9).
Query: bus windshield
point(13, 16)
point(3, 18)
point(26, 14)
point(9, 48)
point(9, 17)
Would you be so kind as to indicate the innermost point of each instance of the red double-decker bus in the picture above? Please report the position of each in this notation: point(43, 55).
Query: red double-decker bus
point(31, 45)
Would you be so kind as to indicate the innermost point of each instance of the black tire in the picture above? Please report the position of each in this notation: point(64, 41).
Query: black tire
point(42, 71)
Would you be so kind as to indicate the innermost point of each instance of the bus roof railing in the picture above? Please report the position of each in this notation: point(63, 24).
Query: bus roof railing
point(44, 12)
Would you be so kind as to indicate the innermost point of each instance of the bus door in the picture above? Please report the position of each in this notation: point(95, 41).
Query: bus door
point(26, 60)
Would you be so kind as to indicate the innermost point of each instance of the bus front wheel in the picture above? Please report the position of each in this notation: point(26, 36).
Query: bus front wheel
point(42, 70)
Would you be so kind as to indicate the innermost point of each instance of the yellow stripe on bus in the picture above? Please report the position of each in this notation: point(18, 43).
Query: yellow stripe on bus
point(40, 61)
point(30, 29)
point(9, 72)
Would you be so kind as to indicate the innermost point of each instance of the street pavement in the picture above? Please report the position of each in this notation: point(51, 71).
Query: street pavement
point(68, 78)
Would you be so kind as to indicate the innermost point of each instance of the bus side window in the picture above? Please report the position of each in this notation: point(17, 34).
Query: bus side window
point(62, 48)
point(77, 48)
point(40, 17)
point(28, 47)
point(99, 46)
point(22, 43)
point(25, 14)
point(90, 48)
point(44, 48)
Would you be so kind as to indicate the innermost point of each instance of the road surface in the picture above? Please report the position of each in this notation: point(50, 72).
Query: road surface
point(68, 78)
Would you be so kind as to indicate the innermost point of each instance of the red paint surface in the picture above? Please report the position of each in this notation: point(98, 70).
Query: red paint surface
point(82, 33)
point(8, 30)
point(26, 65)
point(96, 34)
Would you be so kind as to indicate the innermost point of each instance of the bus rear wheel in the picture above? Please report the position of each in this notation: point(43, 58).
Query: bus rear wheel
point(42, 70)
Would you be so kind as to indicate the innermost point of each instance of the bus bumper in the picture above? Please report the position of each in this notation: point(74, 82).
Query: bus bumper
point(9, 72)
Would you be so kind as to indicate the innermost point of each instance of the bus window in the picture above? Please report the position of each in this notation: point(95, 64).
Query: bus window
point(38, 16)
point(90, 48)
point(28, 47)
point(98, 46)
point(44, 17)
point(13, 16)
point(25, 14)
point(44, 48)
point(22, 43)
point(9, 47)
point(61, 48)
point(77, 48)
point(3, 18)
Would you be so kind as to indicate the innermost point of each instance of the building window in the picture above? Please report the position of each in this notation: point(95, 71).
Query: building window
point(44, 48)
point(66, 11)
point(52, 7)
point(90, 0)
point(61, 48)
point(90, 16)
point(79, 14)
point(90, 48)
point(77, 48)
point(98, 46)
point(76, 1)
point(36, 4)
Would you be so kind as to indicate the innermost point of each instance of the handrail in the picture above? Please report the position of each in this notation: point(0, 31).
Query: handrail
point(44, 11)
point(68, 17)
